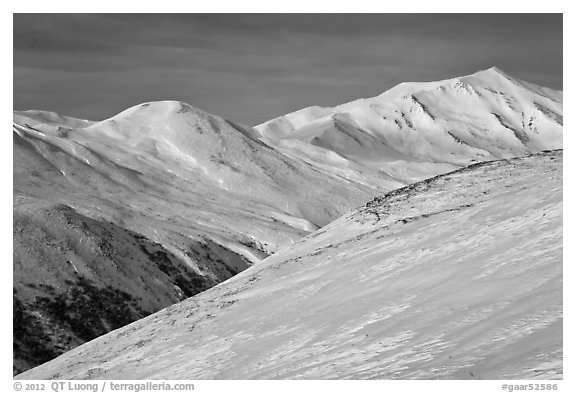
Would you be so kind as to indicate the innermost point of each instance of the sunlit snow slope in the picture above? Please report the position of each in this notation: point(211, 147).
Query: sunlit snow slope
point(144, 209)
point(417, 130)
point(455, 277)
point(178, 167)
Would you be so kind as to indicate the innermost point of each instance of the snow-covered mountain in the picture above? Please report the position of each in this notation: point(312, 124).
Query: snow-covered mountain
point(158, 202)
point(170, 151)
point(455, 277)
point(417, 130)
point(164, 200)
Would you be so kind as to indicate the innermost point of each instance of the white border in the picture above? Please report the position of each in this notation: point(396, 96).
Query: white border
point(33, 6)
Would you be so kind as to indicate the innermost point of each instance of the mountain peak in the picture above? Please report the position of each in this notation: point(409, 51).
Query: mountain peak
point(491, 74)
point(407, 88)
point(157, 110)
point(492, 69)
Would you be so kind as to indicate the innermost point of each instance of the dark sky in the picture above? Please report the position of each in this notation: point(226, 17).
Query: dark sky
point(251, 68)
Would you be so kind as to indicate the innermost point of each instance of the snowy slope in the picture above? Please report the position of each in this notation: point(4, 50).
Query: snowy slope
point(456, 277)
point(177, 168)
point(417, 130)
point(203, 197)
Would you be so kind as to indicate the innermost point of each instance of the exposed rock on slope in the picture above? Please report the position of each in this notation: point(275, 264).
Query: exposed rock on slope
point(459, 276)
point(76, 278)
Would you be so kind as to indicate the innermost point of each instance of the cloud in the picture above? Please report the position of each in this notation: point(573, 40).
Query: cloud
point(253, 67)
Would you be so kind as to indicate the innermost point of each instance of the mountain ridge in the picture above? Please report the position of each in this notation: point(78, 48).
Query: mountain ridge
point(420, 129)
point(403, 88)
point(207, 198)
point(421, 283)
point(201, 198)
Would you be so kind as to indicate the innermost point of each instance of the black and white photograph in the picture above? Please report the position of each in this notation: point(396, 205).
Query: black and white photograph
point(287, 196)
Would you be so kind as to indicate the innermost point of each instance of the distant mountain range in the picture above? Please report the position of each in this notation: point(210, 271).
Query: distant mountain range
point(117, 219)
point(417, 130)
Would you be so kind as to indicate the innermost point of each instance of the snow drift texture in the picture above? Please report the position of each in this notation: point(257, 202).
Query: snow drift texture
point(456, 277)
